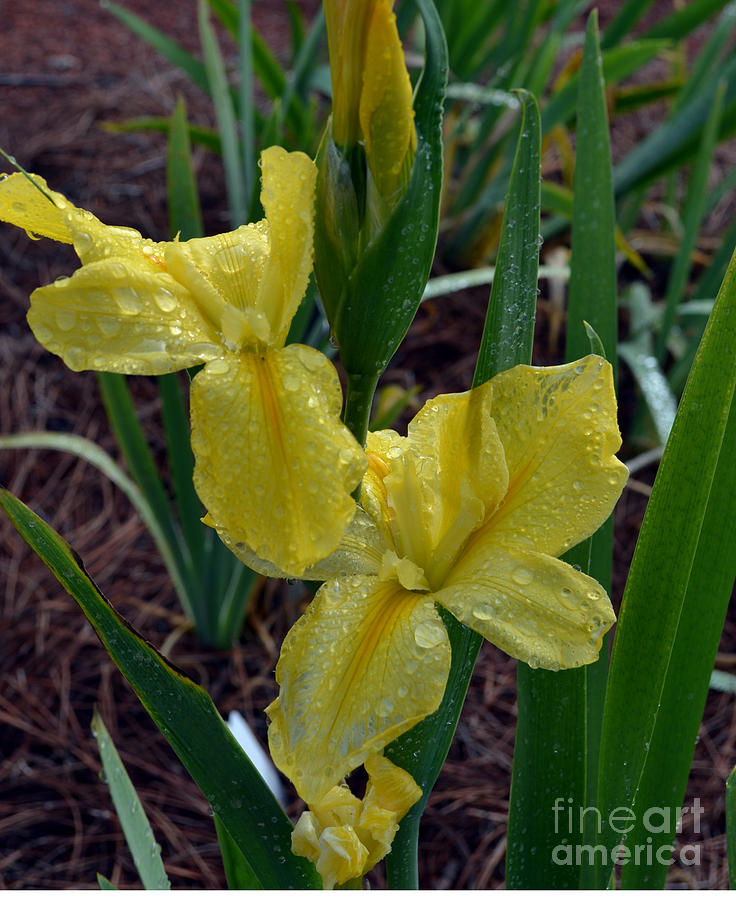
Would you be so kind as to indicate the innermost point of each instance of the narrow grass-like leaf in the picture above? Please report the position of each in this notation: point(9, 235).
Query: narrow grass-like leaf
point(559, 712)
point(693, 214)
point(202, 137)
point(185, 216)
point(185, 715)
point(246, 99)
point(664, 566)
point(160, 41)
point(461, 281)
point(731, 828)
point(136, 452)
point(422, 750)
point(670, 752)
point(138, 833)
point(627, 16)
point(105, 884)
point(677, 140)
point(681, 23)
point(225, 114)
point(653, 384)
point(92, 453)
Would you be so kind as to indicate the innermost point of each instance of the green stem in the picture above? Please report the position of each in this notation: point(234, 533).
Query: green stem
point(358, 402)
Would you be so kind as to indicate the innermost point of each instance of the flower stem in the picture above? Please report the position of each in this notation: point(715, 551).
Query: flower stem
point(358, 402)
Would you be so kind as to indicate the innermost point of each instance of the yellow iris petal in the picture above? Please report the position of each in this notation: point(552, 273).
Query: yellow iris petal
point(364, 663)
point(288, 201)
point(534, 607)
point(24, 205)
point(273, 463)
point(446, 477)
point(386, 113)
point(118, 316)
point(559, 433)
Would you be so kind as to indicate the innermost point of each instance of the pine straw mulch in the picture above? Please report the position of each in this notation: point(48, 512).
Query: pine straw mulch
point(57, 827)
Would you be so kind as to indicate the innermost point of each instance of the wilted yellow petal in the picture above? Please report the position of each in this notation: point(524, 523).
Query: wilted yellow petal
point(443, 480)
point(534, 607)
point(364, 663)
point(24, 205)
point(115, 316)
point(274, 465)
point(288, 200)
point(386, 113)
point(559, 433)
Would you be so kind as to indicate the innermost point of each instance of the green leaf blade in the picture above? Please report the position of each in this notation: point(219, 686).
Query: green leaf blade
point(138, 833)
point(185, 715)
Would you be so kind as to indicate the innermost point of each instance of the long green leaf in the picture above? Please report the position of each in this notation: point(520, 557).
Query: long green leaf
point(185, 715)
point(92, 453)
point(681, 23)
point(225, 114)
point(667, 767)
point(422, 750)
point(731, 828)
point(185, 216)
point(664, 565)
point(559, 712)
point(138, 833)
point(693, 214)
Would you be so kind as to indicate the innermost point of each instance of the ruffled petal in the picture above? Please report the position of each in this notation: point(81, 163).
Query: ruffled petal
point(274, 465)
point(117, 316)
point(287, 197)
point(364, 663)
point(559, 433)
point(534, 607)
point(444, 479)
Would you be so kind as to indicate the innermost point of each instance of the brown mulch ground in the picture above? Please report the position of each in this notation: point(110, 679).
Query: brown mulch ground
point(64, 70)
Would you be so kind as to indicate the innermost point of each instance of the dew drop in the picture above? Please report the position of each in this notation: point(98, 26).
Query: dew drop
point(428, 634)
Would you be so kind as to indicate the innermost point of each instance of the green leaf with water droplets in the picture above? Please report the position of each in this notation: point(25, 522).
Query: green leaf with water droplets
point(184, 713)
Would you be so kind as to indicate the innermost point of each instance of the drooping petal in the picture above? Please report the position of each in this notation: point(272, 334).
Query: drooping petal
point(559, 433)
point(49, 214)
point(360, 552)
point(364, 663)
point(534, 607)
point(274, 465)
point(445, 479)
point(24, 205)
point(117, 316)
point(287, 196)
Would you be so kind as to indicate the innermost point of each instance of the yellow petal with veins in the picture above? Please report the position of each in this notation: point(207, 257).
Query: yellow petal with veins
point(559, 433)
point(534, 607)
point(364, 663)
point(119, 316)
point(274, 465)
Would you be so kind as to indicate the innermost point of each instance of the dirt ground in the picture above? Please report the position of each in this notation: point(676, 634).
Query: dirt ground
point(64, 70)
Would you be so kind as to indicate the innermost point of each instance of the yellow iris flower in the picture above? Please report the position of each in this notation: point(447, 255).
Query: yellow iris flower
point(469, 512)
point(274, 465)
